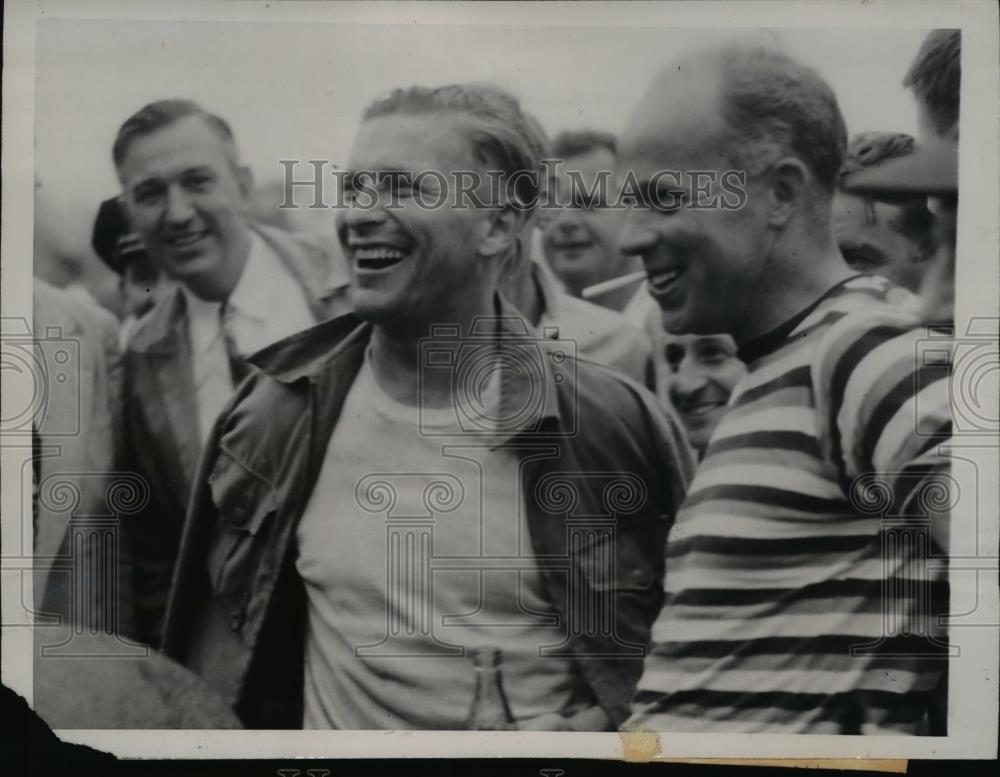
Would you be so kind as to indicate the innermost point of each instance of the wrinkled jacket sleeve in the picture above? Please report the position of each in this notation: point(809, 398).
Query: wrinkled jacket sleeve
point(645, 442)
point(667, 466)
point(193, 617)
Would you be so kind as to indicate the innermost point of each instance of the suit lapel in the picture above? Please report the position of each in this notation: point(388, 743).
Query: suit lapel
point(165, 387)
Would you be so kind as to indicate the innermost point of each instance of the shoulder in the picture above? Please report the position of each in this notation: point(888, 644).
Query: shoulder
point(324, 255)
point(870, 315)
point(604, 336)
point(581, 315)
point(605, 397)
point(626, 421)
point(56, 307)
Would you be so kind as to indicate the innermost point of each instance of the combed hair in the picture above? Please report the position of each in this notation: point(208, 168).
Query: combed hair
point(503, 137)
point(774, 105)
point(578, 142)
point(936, 77)
point(162, 113)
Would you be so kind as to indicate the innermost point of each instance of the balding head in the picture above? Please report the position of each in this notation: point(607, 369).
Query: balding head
point(768, 106)
point(732, 158)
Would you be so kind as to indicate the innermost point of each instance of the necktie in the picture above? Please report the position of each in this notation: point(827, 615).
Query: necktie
point(239, 368)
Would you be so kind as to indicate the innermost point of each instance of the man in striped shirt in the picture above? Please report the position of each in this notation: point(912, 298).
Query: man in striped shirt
point(805, 569)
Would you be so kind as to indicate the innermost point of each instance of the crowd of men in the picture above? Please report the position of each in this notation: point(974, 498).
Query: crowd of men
point(478, 427)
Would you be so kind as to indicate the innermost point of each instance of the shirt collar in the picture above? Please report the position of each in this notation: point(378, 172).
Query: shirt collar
point(771, 341)
point(203, 319)
point(251, 296)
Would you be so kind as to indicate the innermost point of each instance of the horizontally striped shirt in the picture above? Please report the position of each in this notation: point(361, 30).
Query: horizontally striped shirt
point(799, 590)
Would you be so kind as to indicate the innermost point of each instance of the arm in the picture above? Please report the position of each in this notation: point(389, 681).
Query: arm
point(887, 411)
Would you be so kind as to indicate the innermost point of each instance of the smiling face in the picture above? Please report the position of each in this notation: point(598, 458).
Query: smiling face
point(869, 235)
point(703, 370)
point(705, 265)
point(581, 241)
point(188, 200)
point(412, 264)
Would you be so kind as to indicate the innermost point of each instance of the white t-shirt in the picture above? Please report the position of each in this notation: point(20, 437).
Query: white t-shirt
point(394, 547)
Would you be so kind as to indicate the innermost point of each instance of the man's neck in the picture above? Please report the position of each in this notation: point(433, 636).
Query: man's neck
point(402, 364)
point(804, 278)
point(520, 288)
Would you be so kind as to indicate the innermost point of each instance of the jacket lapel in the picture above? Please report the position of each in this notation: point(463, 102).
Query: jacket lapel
point(164, 384)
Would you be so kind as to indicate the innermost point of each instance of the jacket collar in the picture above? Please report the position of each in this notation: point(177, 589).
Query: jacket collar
point(528, 365)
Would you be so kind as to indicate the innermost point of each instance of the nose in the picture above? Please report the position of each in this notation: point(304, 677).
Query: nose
point(566, 221)
point(686, 383)
point(634, 237)
point(178, 207)
point(359, 219)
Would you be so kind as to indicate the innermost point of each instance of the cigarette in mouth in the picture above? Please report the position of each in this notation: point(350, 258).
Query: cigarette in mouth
point(615, 283)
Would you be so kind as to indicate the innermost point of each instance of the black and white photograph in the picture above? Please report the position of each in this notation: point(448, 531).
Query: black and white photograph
point(455, 379)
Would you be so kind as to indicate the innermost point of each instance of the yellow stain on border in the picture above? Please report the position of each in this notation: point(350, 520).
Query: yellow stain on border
point(641, 745)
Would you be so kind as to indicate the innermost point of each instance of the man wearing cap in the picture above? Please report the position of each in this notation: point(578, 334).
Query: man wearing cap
point(142, 283)
point(240, 287)
point(931, 169)
point(806, 528)
point(892, 239)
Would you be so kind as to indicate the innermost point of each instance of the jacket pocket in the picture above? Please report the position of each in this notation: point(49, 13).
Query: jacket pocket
point(246, 505)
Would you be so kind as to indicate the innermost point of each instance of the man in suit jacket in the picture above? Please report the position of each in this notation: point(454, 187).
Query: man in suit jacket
point(241, 287)
point(81, 569)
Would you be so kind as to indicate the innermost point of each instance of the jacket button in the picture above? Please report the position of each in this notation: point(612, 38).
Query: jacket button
point(641, 578)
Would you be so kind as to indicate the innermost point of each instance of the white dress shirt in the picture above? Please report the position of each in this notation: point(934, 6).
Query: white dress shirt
point(267, 305)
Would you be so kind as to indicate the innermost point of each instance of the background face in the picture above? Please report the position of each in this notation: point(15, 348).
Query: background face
point(702, 371)
point(869, 237)
point(580, 241)
point(414, 263)
point(184, 199)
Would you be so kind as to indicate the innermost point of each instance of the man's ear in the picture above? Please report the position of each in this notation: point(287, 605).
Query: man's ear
point(501, 229)
point(790, 179)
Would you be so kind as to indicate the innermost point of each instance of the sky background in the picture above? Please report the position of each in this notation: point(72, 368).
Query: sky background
point(293, 90)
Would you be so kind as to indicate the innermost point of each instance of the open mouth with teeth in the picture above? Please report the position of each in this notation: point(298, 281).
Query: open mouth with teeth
point(663, 281)
point(376, 258)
